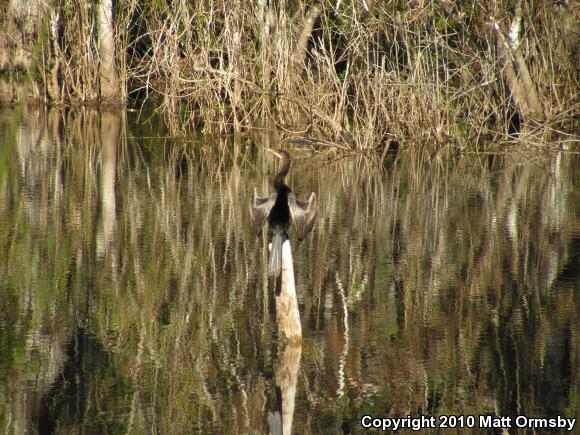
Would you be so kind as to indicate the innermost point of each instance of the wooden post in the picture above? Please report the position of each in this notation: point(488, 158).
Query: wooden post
point(287, 314)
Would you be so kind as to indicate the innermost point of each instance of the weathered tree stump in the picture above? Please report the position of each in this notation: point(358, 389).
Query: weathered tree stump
point(287, 314)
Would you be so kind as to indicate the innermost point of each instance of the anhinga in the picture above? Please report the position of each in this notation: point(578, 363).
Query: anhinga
point(282, 209)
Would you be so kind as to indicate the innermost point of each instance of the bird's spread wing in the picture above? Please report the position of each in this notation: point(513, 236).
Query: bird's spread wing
point(303, 214)
point(260, 209)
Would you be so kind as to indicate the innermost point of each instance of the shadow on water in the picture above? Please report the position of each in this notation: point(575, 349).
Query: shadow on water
point(88, 368)
point(134, 296)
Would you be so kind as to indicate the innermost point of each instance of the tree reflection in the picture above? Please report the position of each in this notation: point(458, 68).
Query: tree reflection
point(440, 288)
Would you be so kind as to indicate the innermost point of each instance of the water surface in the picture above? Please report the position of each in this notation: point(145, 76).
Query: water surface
point(134, 297)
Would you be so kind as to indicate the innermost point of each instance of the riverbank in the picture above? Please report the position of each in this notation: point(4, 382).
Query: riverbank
point(368, 76)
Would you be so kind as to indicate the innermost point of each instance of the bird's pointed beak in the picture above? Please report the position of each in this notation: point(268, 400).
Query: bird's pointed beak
point(276, 153)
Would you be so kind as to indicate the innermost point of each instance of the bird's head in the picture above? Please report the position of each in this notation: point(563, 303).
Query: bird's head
point(281, 154)
point(283, 166)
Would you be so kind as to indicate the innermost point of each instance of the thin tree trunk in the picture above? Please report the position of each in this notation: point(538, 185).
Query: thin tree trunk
point(516, 72)
point(53, 85)
point(299, 52)
point(108, 75)
point(265, 16)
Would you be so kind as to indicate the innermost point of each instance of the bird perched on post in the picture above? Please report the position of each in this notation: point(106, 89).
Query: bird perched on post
point(282, 210)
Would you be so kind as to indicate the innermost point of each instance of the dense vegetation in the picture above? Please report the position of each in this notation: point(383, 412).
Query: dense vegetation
point(356, 75)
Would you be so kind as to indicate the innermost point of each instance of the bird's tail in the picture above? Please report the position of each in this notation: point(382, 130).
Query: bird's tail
point(275, 263)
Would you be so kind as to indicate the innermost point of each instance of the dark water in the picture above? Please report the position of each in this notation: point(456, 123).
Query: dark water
point(135, 299)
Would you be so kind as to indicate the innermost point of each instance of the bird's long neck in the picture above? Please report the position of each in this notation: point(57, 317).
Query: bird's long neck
point(279, 178)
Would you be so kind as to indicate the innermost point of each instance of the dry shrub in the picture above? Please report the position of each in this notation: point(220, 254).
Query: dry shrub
point(363, 78)
point(362, 75)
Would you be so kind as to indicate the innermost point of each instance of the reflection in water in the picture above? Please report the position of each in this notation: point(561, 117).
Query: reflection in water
point(281, 418)
point(109, 138)
point(134, 298)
